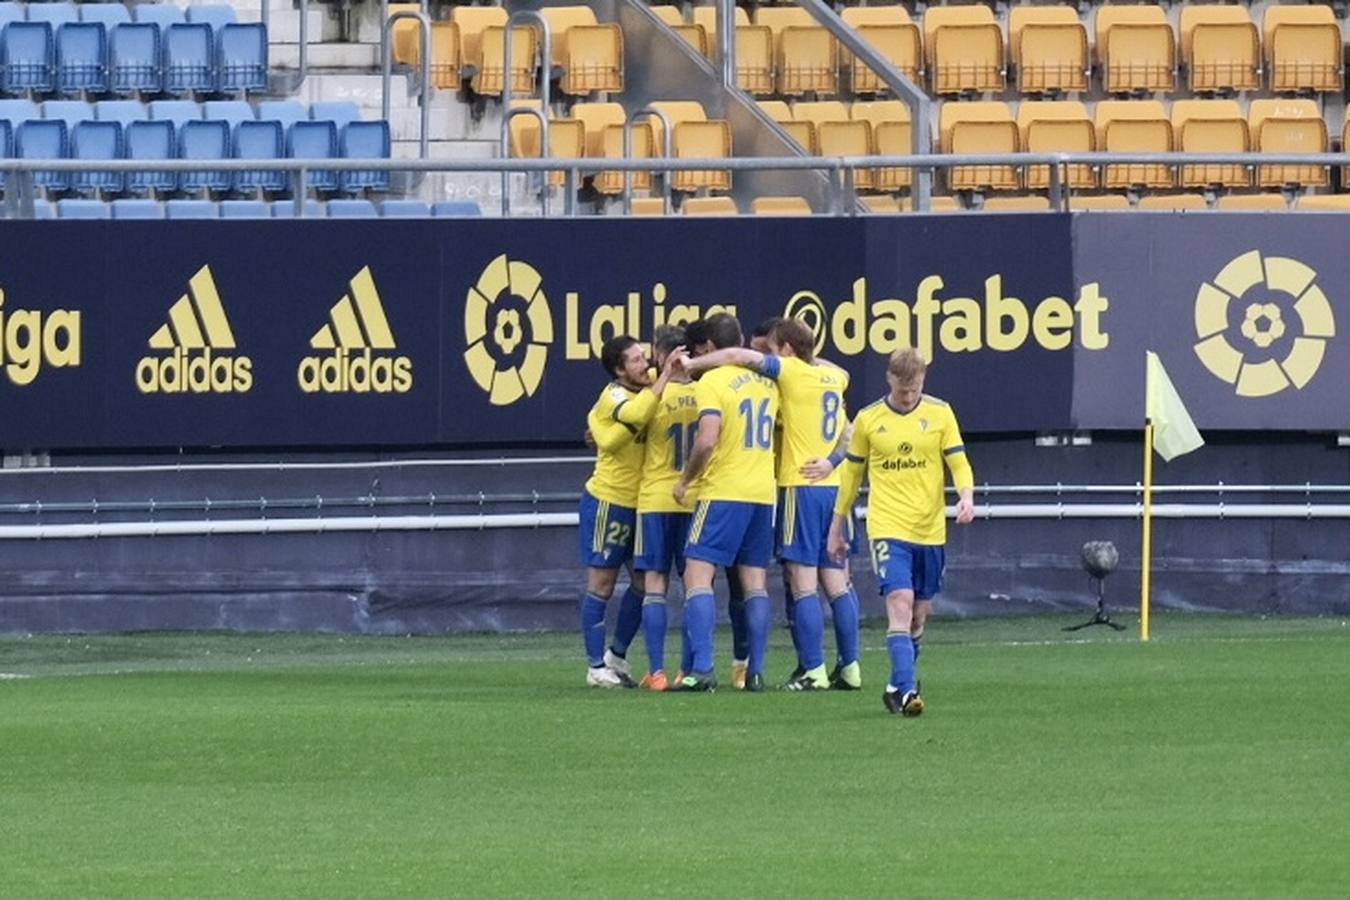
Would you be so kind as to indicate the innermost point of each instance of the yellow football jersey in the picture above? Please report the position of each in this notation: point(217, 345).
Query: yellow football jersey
point(670, 437)
point(903, 454)
point(813, 417)
point(617, 422)
point(741, 467)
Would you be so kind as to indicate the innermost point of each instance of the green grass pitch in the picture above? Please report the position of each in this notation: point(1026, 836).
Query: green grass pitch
point(1212, 761)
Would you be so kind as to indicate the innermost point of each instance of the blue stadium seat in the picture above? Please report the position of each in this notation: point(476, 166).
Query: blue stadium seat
point(365, 140)
point(351, 209)
point(42, 209)
point(137, 209)
point(241, 55)
point(27, 58)
point(81, 58)
point(68, 111)
point(82, 209)
point(245, 209)
point(404, 209)
point(191, 209)
point(260, 140)
point(160, 14)
point(315, 140)
point(178, 112)
point(287, 112)
point(285, 209)
point(54, 14)
point(109, 15)
point(189, 58)
point(217, 15)
point(96, 140)
point(204, 140)
point(150, 141)
point(43, 139)
point(122, 111)
point(19, 110)
point(455, 209)
point(339, 112)
point(232, 111)
point(134, 58)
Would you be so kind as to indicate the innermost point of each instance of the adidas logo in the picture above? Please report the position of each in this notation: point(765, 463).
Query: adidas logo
point(357, 328)
point(28, 339)
point(191, 343)
point(882, 430)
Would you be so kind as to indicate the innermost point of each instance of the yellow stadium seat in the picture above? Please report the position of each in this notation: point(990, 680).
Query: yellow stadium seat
point(1134, 126)
point(1303, 48)
point(778, 110)
point(1057, 126)
point(891, 32)
point(709, 206)
point(780, 206)
point(805, 56)
point(711, 139)
point(979, 127)
point(818, 112)
point(944, 205)
point(595, 118)
point(561, 20)
point(695, 36)
point(1324, 201)
point(594, 59)
point(1136, 49)
point(849, 139)
point(445, 46)
point(892, 135)
point(1049, 47)
point(754, 59)
point(566, 140)
point(1099, 201)
point(1029, 203)
point(1288, 126)
point(668, 13)
point(482, 32)
point(883, 203)
point(1174, 202)
point(707, 17)
point(1253, 201)
point(1211, 126)
point(649, 206)
point(676, 111)
point(1220, 47)
point(803, 133)
point(964, 49)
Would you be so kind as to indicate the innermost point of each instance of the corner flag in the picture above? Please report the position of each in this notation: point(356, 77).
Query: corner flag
point(1174, 433)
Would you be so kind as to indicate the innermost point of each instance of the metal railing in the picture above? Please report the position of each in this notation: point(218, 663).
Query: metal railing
point(17, 182)
point(424, 55)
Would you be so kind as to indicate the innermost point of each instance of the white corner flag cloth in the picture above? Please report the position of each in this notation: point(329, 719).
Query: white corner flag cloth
point(1174, 434)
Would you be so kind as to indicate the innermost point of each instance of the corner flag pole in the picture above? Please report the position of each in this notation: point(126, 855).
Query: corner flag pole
point(1146, 555)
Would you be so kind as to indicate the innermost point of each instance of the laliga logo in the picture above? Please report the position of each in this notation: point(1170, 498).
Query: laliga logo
point(1266, 292)
point(28, 338)
point(508, 328)
point(190, 344)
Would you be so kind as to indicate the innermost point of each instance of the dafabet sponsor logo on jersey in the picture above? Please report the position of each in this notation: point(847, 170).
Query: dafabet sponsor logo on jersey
point(31, 339)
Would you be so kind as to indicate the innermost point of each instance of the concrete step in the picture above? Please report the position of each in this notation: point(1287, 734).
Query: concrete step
point(363, 90)
point(332, 55)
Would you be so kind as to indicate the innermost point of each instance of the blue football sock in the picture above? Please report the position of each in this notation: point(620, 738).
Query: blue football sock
point(901, 648)
point(629, 621)
point(846, 637)
point(593, 628)
point(810, 628)
point(740, 633)
point(686, 648)
point(916, 640)
point(654, 630)
point(759, 618)
point(790, 612)
point(700, 613)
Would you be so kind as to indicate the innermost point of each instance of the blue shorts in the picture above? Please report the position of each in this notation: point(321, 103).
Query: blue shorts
point(804, 516)
point(902, 566)
point(605, 535)
point(660, 541)
point(731, 532)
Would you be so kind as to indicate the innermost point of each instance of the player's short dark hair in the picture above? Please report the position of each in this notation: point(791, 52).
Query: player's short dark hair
point(667, 338)
point(765, 328)
point(695, 333)
point(723, 330)
point(795, 334)
point(611, 354)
